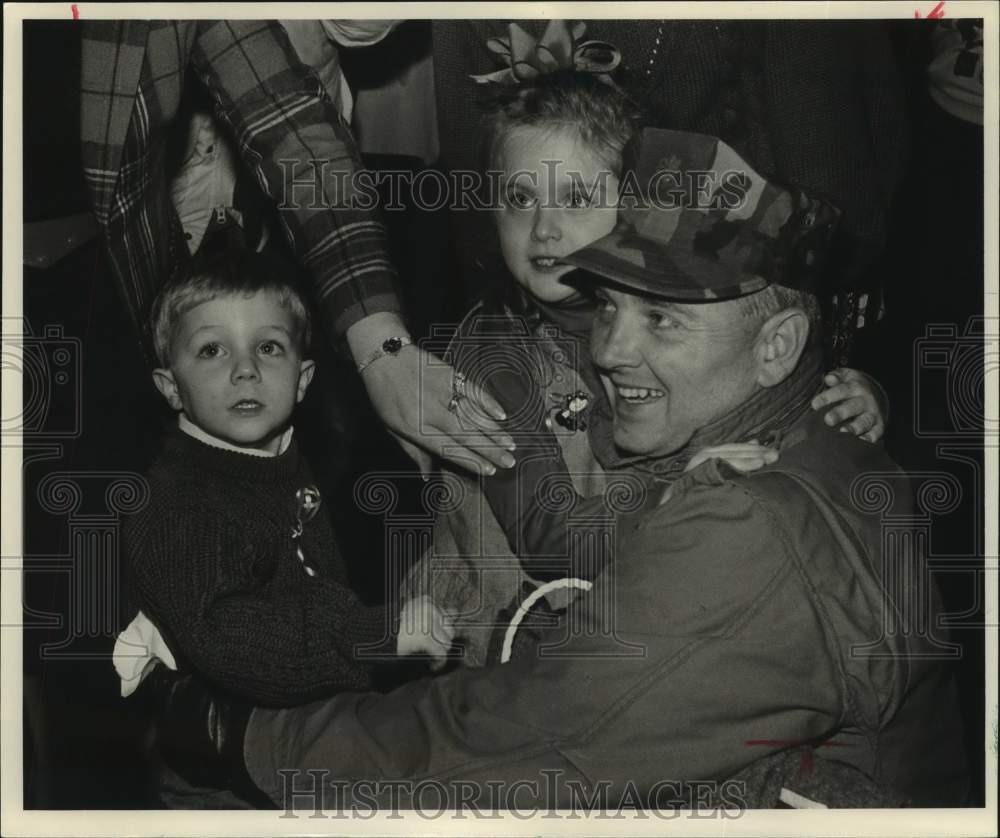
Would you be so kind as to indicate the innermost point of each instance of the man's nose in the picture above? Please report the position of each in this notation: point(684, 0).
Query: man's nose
point(547, 224)
point(245, 368)
point(614, 344)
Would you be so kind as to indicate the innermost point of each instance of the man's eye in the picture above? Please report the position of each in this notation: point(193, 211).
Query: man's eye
point(578, 200)
point(659, 320)
point(210, 350)
point(270, 347)
point(604, 305)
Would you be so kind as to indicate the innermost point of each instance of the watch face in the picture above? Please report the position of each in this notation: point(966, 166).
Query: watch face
point(392, 345)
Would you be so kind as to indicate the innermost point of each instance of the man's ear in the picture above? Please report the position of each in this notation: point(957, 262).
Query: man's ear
point(164, 381)
point(780, 343)
point(306, 370)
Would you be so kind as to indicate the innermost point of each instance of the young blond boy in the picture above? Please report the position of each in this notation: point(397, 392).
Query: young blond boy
point(233, 560)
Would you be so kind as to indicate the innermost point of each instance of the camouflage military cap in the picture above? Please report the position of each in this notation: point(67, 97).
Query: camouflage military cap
point(697, 223)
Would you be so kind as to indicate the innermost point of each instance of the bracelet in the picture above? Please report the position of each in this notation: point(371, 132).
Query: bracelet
point(390, 346)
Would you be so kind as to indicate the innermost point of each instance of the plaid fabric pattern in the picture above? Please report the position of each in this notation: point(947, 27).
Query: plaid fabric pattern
point(696, 222)
point(286, 130)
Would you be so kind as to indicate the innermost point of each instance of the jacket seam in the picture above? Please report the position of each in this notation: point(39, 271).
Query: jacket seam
point(869, 731)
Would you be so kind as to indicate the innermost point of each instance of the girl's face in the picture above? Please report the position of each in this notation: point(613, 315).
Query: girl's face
point(558, 197)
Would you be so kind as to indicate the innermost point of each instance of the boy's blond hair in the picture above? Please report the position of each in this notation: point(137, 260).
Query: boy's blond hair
point(218, 272)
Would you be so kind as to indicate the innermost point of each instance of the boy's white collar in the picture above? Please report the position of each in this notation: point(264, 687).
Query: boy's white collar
point(191, 429)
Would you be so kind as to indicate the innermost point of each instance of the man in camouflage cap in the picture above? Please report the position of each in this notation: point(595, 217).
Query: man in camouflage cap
point(697, 225)
point(707, 332)
point(749, 627)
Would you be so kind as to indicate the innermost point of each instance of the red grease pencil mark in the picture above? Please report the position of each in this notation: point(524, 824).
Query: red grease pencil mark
point(76, 11)
point(805, 758)
point(936, 12)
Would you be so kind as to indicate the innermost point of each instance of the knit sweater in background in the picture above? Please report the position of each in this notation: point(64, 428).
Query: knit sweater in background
point(213, 564)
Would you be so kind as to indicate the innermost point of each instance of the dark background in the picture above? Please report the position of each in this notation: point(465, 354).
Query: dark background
point(84, 745)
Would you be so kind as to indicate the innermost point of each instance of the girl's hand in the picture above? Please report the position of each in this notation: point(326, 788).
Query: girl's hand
point(853, 396)
point(742, 456)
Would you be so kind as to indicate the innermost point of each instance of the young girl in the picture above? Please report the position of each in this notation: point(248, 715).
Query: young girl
point(558, 143)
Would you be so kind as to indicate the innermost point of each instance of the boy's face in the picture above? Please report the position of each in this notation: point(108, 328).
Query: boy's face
point(559, 198)
point(235, 369)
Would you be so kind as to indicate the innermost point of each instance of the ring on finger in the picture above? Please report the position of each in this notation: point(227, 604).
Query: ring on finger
point(458, 385)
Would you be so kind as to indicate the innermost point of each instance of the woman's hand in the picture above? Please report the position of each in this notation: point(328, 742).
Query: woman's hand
point(855, 406)
point(411, 391)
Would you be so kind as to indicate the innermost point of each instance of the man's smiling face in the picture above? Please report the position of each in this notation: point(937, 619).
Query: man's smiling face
point(670, 369)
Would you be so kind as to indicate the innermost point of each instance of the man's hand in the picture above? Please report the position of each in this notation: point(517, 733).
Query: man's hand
point(853, 396)
point(425, 630)
point(742, 456)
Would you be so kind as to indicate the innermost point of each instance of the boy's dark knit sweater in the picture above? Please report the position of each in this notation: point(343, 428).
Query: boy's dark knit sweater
point(214, 566)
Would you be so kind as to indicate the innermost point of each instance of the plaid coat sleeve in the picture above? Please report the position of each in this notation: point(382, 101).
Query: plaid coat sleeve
point(288, 132)
point(130, 81)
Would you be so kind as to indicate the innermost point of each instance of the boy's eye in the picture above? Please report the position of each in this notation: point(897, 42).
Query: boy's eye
point(210, 350)
point(270, 347)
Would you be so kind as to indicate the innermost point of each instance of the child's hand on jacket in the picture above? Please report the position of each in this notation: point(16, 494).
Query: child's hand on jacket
point(424, 629)
point(856, 404)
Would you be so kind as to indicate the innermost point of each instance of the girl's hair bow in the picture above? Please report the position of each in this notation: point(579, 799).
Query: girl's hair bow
point(559, 48)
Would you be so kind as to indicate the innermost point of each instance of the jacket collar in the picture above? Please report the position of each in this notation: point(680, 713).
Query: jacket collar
point(765, 417)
